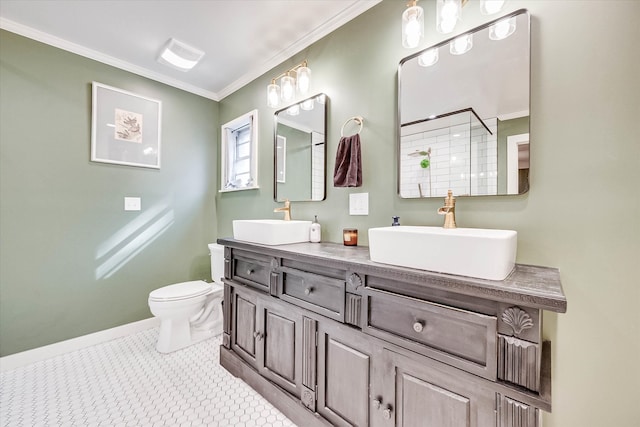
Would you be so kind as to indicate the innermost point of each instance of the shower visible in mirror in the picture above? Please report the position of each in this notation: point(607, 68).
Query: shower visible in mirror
point(463, 109)
point(300, 151)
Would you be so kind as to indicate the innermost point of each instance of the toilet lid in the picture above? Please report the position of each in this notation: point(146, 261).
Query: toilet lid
point(180, 291)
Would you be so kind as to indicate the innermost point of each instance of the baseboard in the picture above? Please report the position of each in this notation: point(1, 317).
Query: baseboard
point(24, 358)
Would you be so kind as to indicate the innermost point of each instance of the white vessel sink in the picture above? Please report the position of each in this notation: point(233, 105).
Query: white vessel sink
point(472, 252)
point(271, 231)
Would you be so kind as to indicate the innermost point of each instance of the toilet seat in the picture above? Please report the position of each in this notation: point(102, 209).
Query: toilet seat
point(180, 291)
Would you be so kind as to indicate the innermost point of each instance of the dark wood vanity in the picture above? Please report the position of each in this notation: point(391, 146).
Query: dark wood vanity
point(332, 338)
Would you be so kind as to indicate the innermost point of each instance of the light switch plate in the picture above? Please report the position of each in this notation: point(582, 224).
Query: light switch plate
point(359, 204)
point(132, 203)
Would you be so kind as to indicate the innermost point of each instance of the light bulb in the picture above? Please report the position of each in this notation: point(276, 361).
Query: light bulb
point(461, 44)
point(273, 95)
point(288, 88)
point(489, 7)
point(307, 105)
point(412, 26)
point(502, 29)
point(447, 14)
point(428, 58)
point(304, 79)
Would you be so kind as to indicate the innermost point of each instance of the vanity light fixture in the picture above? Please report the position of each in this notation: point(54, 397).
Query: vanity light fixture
point(180, 55)
point(449, 12)
point(502, 29)
point(308, 104)
point(412, 25)
point(428, 58)
point(462, 44)
point(289, 86)
point(294, 110)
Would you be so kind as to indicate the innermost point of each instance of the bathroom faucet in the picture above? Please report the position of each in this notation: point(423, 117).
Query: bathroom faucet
point(286, 209)
point(449, 211)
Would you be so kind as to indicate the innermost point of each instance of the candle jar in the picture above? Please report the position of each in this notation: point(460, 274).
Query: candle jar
point(350, 236)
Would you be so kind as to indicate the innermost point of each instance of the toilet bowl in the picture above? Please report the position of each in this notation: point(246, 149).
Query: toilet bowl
point(190, 312)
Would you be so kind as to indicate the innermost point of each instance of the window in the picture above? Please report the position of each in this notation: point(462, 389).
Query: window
point(239, 153)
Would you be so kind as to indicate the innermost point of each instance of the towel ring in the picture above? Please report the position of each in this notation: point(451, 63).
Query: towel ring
point(358, 119)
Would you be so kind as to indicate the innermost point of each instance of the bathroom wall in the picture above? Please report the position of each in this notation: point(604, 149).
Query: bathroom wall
point(581, 214)
point(72, 261)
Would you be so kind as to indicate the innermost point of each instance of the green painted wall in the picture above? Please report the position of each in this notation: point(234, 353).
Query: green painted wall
point(297, 185)
point(72, 261)
point(581, 215)
point(507, 128)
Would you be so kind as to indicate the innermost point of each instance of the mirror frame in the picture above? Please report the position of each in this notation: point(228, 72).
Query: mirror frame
point(439, 45)
point(275, 150)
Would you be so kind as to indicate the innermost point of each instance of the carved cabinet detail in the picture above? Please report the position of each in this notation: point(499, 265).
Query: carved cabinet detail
point(385, 346)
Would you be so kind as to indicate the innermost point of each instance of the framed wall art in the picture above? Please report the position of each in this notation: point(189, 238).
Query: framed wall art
point(125, 127)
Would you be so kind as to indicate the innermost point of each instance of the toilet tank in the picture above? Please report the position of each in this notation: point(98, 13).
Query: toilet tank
point(217, 262)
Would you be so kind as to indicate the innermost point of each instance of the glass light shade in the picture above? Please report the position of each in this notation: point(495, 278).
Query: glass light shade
point(447, 15)
point(294, 110)
point(273, 95)
point(428, 58)
point(502, 29)
point(308, 104)
point(288, 88)
point(412, 26)
point(489, 7)
point(460, 45)
point(303, 79)
point(320, 99)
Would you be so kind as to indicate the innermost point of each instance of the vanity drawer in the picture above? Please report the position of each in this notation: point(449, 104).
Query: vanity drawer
point(460, 338)
point(320, 294)
point(251, 271)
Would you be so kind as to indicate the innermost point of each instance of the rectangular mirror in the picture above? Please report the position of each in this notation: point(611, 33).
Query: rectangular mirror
point(300, 151)
point(463, 113)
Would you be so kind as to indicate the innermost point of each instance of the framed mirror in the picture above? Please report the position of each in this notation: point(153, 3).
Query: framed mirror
point(299, 155)
point(463, 113)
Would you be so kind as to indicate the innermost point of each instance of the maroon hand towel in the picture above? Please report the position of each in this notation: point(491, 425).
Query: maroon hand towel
point(348, 170)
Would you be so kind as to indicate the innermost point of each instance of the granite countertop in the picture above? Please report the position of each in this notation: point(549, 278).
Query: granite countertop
point(534, 286)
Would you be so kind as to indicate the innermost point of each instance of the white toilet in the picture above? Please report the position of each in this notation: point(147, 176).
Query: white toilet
point(190, 312)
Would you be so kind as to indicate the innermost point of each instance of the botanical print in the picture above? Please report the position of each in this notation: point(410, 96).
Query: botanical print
point(128, 126)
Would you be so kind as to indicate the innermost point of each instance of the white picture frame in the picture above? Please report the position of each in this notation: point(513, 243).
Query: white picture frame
point(125, 127)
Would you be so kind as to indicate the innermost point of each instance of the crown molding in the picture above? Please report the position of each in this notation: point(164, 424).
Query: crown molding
point(63, 44)
point(329, 26)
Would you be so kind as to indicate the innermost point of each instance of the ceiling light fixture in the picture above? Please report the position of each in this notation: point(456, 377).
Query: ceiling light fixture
point(449, 12)
point(180, 55)
point(412, 25)
point(289, 86)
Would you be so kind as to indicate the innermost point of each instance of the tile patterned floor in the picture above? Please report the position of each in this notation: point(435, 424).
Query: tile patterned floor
point(125, 382)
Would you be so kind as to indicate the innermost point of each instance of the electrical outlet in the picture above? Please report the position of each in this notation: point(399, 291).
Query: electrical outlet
point(359, 204)
point(132, 203)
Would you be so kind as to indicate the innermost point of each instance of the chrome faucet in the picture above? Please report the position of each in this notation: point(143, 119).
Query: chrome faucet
point(449, 211)
point(286, 209)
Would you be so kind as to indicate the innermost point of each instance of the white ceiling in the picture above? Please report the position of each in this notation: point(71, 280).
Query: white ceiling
point(242, 39)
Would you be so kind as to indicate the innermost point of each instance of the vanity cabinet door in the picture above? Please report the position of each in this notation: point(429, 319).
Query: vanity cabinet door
point(428, 393)
point(280, 344)
point(345, 376)
point(244, 319)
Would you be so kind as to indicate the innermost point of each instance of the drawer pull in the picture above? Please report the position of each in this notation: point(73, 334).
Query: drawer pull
point(258, 335)
point(308, 290)
point(376, 403)
point(418, 326)
point(249, 272)
point(386, 414)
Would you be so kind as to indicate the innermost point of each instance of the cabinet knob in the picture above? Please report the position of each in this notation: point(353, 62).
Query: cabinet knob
point(258, 335)
point(308, 290)
point(386, 414)
point(418, 326)
point(376, 403)
point(249, 272)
